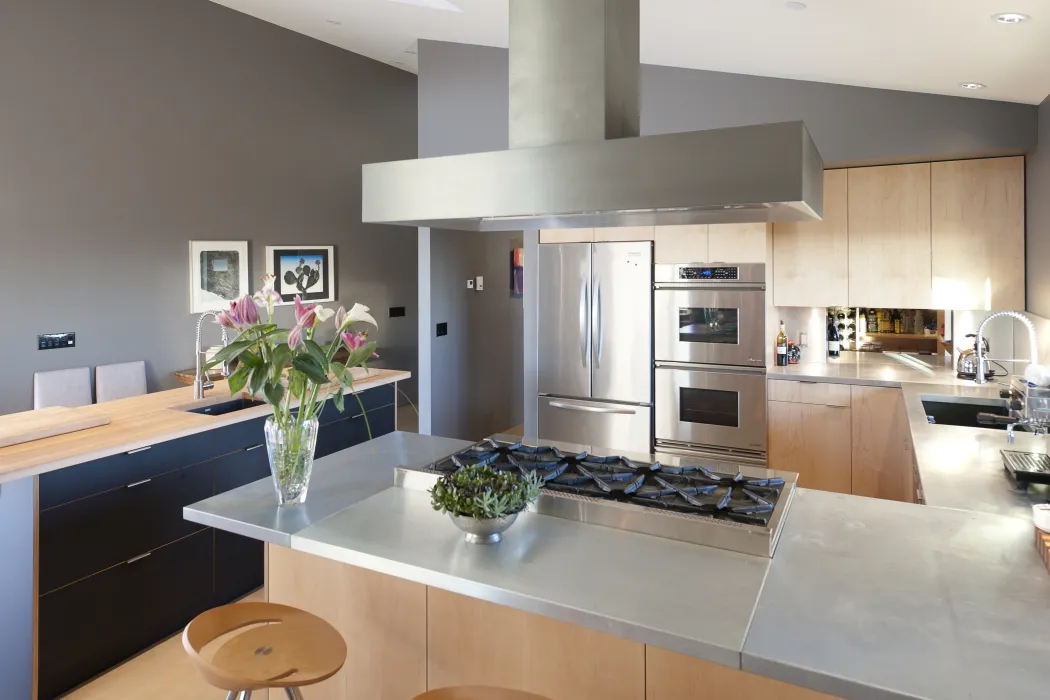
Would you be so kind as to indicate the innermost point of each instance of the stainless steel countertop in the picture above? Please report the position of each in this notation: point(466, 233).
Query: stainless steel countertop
point(888, 369)
point(339, 481)
point(873, 599)
point(690, 599)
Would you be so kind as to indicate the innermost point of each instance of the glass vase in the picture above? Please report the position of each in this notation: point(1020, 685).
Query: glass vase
point(291, 450)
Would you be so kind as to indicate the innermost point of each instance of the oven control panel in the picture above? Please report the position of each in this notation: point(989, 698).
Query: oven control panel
point(708, 273)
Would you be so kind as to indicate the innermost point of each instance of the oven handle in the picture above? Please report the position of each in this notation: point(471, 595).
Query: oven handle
point(720, 369)
point(592, 409)
point(674, 287)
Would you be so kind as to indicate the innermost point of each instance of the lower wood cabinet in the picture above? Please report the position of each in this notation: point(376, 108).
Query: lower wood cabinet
point(814, 441)
point(882, 450)
point(671, 676)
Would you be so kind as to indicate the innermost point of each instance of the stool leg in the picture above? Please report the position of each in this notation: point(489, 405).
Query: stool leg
point(232, 695)
point(293, 694)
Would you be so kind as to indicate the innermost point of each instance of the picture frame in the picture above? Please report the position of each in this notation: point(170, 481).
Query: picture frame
point(304, 270)
point(218, 274)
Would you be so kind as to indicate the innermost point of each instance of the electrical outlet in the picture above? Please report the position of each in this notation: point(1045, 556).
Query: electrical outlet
point(470, 284)
point(397, 311)
point(442, 329)
point(56, 341)
point(480, 284)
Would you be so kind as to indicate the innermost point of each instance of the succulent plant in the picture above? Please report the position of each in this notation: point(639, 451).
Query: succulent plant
point(482, 492)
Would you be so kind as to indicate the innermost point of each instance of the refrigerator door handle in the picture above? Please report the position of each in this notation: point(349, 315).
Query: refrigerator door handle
point(592, 409)
point(585, 327)
point(598, 332)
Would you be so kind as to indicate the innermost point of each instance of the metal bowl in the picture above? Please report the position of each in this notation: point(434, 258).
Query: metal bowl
point(488, 531)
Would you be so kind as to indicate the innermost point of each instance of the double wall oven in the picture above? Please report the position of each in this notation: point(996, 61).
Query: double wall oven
point(710, 377)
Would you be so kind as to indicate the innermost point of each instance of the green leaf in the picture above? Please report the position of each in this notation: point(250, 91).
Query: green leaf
point(340, 372)
point(317, 353)
point(282, 355)
point(258, 379)
point(274, 393)
point(337, 399)
point(250, 359)
point(296, 383)
point(239, 378)
point(308, 366)
point(229, 353)
point(359, 356)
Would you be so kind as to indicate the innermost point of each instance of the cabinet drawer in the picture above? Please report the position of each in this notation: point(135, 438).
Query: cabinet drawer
point(236, 437)
point(370, 398)
point(65, 485)
point(98, 622)
point(240, 468)
point(818, 393)
point(91, 534)
point(353, 431)
point(238, 566)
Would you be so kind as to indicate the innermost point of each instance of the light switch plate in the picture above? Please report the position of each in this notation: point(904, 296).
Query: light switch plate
point(480, 284)
point(470, 284)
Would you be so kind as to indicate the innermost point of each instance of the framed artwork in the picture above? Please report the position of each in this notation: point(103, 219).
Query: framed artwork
point(307, 271)
point(218, 274)
point(517, 273)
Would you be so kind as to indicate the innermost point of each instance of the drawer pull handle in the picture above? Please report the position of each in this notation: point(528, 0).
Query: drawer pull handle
point(139, 483)
point(254, 447)
point(141, 449)
point(138, 558)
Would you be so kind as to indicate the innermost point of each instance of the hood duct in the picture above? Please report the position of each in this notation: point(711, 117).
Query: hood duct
point(576, 159)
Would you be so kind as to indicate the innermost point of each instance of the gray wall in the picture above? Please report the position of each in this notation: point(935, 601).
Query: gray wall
point(476, 370)
point(465, 98)
point(1037, 235)
point(129, 127)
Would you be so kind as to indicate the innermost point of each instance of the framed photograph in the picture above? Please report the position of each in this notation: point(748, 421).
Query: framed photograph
point(308, 271)
point(517, 273)
point(218, 274)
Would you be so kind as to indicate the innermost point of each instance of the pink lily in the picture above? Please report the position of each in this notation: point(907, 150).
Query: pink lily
point(249, 313)
point(354, 340)
point(224, 320)
point(305, 314)
point(295, 337)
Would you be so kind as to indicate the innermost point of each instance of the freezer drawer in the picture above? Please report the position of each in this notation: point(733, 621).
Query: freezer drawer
point(618, 426)
point(711, 406)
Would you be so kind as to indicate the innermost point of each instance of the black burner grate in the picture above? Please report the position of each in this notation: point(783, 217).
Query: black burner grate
point(695, 490)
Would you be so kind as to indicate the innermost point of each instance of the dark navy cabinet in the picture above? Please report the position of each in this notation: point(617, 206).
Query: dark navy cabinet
point(119, 567)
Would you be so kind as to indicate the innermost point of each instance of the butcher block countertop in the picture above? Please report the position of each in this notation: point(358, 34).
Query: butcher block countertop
point(138, 422)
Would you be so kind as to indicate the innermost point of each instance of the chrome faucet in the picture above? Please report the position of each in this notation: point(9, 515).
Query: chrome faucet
point(200, 380)
point(982, 361)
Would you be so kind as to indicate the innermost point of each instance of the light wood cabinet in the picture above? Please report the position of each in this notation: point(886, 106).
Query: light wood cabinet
point(882, 450)
point(889, 236)
point(978, 224)
point(810, 433)
point(567, 235)
point(623, 233)
point(473, 642)
point(383, 620)
point(737, 243)
point(673, 676)
point(810, 260)
point(681, 244)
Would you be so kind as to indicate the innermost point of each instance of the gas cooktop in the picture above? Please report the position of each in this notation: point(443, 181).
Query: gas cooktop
point(717, 504)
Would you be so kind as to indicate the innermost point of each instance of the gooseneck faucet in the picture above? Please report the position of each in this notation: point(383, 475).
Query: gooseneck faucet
point(982, 361)
point(200, 380)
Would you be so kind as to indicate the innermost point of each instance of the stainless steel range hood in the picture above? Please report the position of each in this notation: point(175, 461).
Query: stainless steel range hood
point(576, 159)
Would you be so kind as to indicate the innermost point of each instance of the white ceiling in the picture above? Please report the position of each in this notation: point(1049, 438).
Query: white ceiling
point(917, 45)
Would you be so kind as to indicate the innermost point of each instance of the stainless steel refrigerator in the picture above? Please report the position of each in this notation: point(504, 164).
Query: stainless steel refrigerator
point(595, 346)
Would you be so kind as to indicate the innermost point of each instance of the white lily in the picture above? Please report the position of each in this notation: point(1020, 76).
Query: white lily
point(322, 314)
point(267, 297)
point(359, 312)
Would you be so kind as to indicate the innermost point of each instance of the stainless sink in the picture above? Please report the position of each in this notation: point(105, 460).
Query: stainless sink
point(953, 410)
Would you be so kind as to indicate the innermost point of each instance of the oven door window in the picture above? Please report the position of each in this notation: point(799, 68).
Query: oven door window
point(704, 325)
point(709, 407)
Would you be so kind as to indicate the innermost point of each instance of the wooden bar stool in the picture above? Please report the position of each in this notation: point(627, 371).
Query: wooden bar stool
point(286, 648)
point(477, 692)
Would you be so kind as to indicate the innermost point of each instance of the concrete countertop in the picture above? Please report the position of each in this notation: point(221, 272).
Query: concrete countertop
point(141, 421)
point(869, 600)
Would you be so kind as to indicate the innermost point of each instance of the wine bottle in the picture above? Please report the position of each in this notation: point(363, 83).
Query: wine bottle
point(782, 347)
point(834, 341)
point(897, 321)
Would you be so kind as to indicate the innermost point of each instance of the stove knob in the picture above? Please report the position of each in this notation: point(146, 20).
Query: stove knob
point(1005, 393)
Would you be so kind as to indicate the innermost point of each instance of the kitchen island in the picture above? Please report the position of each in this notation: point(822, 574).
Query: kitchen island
point(862, 599)
point(92, 533)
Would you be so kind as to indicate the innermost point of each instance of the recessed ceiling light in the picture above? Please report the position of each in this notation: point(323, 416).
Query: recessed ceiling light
point(1011, 17)
point(795, 5)
point(973, 86)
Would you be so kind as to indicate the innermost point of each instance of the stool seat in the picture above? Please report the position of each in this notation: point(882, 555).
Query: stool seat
point(477, 692)
point(282, 647)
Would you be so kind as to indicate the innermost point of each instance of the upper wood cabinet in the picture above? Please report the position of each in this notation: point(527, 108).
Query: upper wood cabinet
point(567, 235)
point(681, 244)
point(701, 243)
point(737, 243)
point(978, 234)
point(623, 233)
point(889, 236)
point(810, 260)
